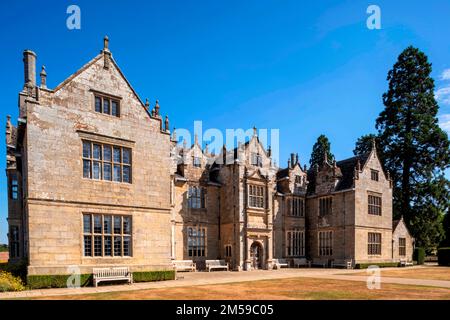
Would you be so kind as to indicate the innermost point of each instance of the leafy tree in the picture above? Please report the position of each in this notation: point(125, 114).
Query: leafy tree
point(321, 146)
point(414, 148)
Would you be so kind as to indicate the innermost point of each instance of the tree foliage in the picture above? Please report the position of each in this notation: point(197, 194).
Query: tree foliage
point(413, 148)
point(321, 147)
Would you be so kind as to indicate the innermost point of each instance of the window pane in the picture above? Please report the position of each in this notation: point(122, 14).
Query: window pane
point(115, 108)
point(97, 154)
point(86, 149)
point(87, 223)
point(107, 224)
point(126, 246)
point(117, 155)
point(88, 246)
point(98, 104)
point(126, 225)
point(108, 246)
point(117, 246)
point(97, 224)
point(117, 175)
point(96, 171)
point(107, 171)
point(106, 106)
point(107, 153)
point(126, 174)
point(126, 156)
point(97, 246)
point(86, 168)
point(117, 225)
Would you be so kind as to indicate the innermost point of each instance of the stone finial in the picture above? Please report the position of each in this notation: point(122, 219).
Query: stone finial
point(388, 175)
point(269, 151)
point(334, 164)
point(255, 132)
point(43, 75)
point(289, 163)
point(157, 108)
point(206, 149)
point(358, 165)
point(106, 43)
point(325, 157)
point(296, 158)
point(304, 168)
point(147, 104)
point(166, 124)
point(174, 134)
point(374, 144)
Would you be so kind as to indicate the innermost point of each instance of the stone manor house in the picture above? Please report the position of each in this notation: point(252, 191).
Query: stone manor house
point(95, 178)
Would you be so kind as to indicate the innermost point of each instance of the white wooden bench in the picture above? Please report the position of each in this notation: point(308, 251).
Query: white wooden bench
point(301, 262)
point(405, 263)
point(184, 265)
point(111, 274)
point(347, 264)
point(280, 263)
point(216, 264)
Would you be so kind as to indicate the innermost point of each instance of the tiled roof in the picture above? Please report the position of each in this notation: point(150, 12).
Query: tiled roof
point(347, 167)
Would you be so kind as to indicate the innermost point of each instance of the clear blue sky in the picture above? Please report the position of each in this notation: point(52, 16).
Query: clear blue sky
point(304, 68)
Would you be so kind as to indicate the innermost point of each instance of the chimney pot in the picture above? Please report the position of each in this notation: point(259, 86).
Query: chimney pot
point(29, 62)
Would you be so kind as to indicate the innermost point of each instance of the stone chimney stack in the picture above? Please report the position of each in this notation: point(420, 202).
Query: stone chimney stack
point(293, 160)
point(29, 63)
point(43, 75)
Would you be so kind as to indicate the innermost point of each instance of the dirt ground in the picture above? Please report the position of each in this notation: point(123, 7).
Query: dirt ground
point(284, 289)
point(430, 273)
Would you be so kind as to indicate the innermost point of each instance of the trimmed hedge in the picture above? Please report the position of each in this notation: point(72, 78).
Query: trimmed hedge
point(18, 269)
point(419, 255)
point(60, 281)
point(148, 276)
point(444, 256)
point(55, 281)
point(381, 265)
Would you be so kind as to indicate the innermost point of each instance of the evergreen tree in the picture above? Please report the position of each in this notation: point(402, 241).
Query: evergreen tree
point(414, 148)
point(364, 144)
point(321, 146)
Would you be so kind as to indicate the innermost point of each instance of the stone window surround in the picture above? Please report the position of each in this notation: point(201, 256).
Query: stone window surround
point(197, 247)
point(14, 241)
point(122, 234)
point(374, 175)
point(325, 243)
point(373, 205)
point(402, 246)
point(14, 187)
point(325, 206)
point(374, 243)
point(196, 197)
point(104, 139)
point(261, 197)
point(300, 206)
point(228, 251)
point(111, 97)
point(295, 242)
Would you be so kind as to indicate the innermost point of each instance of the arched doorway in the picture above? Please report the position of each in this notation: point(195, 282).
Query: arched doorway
point(256, 255)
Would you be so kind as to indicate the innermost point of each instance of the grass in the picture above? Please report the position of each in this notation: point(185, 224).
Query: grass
point(428, 273)
point(279, 289)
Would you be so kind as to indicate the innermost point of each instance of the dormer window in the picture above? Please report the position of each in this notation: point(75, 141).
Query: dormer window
point(256, 159)
point(197, 162)
point(107, 105)
point(298, 179)
point(374, 175)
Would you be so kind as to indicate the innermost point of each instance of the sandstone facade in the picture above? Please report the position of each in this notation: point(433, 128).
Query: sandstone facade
point(95, 179)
